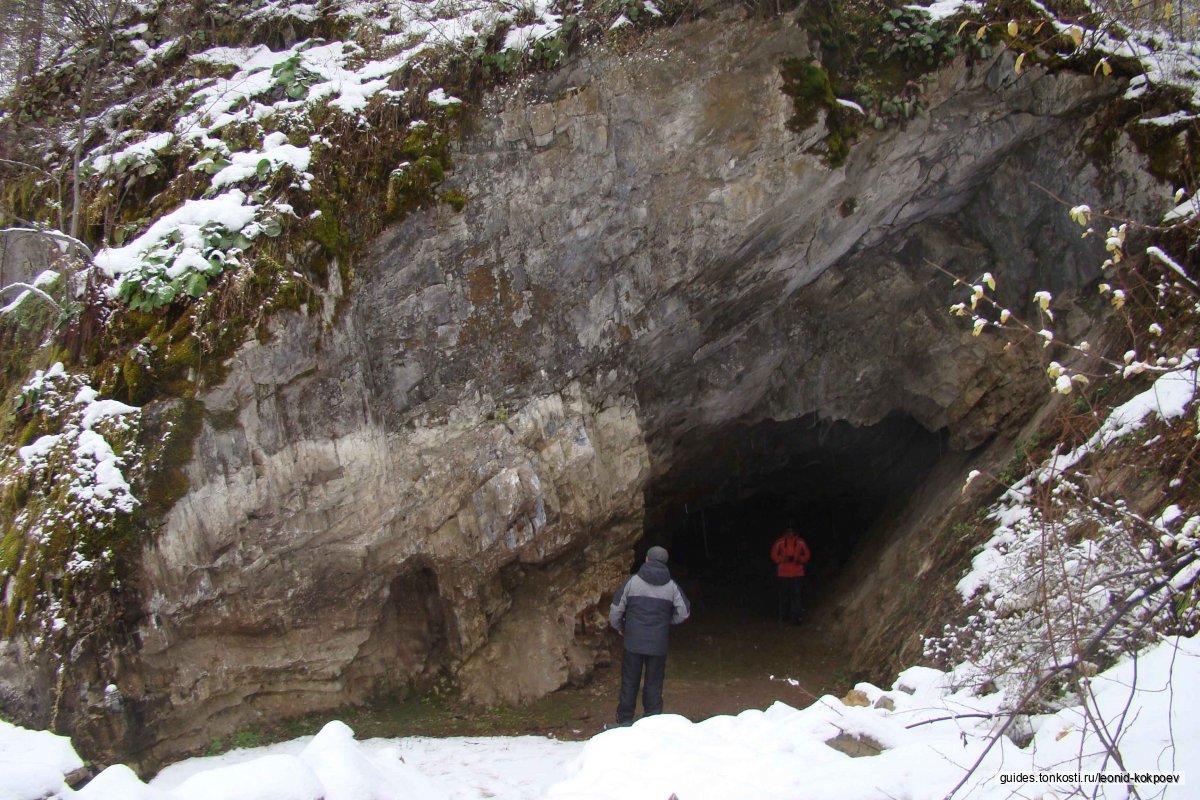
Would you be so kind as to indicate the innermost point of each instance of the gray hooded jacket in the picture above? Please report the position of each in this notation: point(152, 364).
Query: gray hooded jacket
point(646, 606)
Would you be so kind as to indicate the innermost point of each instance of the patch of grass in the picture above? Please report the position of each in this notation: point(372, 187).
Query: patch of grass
point(397, 716)
point(844, 679)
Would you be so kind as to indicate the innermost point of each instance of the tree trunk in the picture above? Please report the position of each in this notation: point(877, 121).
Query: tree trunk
point(33, 30)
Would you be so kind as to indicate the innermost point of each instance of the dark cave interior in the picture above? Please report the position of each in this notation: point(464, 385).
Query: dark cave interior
point(722, 504)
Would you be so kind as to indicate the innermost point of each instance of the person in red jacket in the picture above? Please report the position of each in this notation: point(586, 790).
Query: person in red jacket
point(790, 554)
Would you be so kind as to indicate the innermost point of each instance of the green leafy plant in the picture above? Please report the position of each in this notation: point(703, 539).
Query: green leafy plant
point(170, 268)
point(502, 62)
point(294, 77)
point(131, 167)
point(551, 50)
point(632, 10)
point(917, 39)
point(212, 161)
point(545, 52)
point(808, 84)
point(899, 107)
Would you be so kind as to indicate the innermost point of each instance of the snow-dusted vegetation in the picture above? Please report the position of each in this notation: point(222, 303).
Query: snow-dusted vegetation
point(253, 125)
point(236, 129)
point(77, 497)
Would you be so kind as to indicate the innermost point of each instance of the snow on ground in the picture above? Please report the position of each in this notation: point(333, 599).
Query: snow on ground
point(461, 768)
point(1167, 399)
point(32, 763)
point(930, 738)
point(780, 753)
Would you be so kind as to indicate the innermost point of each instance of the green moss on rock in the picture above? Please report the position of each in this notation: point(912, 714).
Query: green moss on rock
point(807, 83)
point(809, 86)
point(455, 198)
point(168, 443)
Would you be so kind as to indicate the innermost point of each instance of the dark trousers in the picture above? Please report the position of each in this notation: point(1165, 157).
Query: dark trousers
point(791, 598)
point(632, 665)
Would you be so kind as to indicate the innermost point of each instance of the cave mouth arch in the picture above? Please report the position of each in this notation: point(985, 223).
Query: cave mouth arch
point(730, 492)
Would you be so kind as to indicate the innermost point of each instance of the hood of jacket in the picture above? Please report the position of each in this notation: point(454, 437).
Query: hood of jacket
point(654, 573)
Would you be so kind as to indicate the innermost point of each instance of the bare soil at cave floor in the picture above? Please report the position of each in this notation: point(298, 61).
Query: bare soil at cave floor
point(727, 658)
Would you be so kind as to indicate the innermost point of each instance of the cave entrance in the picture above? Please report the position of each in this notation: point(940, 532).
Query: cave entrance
point(418, 629)
point(730, 492)
point(408, 646)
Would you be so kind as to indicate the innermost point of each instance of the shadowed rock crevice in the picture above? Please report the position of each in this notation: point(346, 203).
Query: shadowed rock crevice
point(409, 643)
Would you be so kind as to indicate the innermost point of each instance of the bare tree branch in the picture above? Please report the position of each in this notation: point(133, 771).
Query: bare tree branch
point(32, 290)
point(57, 236)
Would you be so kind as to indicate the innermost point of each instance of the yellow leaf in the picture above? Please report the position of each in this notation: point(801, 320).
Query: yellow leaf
point(1039, 27)
point(1103, 66)
point(965, 23)
point(1013, 27)
point(1168, 10)
point(1064, 733)
point(1019, 62)
point(979, 34)
point(1076, 34)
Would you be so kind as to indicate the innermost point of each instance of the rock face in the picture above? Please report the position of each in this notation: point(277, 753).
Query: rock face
point(326, 569)
point(24, 254)
point(449, 475)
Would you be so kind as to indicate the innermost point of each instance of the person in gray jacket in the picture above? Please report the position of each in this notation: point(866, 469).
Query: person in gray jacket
point(642, 611)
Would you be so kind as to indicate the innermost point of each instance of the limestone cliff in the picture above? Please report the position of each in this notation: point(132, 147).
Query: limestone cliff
point(445, 469)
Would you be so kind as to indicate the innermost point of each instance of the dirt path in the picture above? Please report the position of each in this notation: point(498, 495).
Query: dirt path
point(724, 660)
